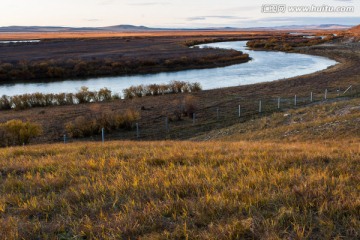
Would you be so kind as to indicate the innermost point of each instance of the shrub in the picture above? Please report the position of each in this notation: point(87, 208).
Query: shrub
point(104, 94)
point(5, 103)
point(17, 132)
point(82, 127)
point(89, 126)
point(83, 95)
point(189, 106)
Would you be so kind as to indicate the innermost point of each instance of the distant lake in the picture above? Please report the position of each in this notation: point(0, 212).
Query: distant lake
point(20, 41)
point(265, 66)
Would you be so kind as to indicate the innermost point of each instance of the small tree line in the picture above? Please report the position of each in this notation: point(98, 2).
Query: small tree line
point(26, 101)
point(161, 89)
point(84, 95)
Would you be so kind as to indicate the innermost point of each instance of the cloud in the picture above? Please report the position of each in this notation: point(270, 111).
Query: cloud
point(349, 1)
point(196, 18)
point(202, 18)
point(148, 3)
point(107, 2)
point(93, 20)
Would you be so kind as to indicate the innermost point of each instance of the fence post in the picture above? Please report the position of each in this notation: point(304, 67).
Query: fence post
point(194, 118)
point(326, 92)
point(64, 138)
point(260, 106)
point(217, 114)
point(137, 131)
point(311, 97)
point(347, 90)
point(103, 135)
point(295, 101)
point(167, 124)
point(239, 111)
point(279, 100)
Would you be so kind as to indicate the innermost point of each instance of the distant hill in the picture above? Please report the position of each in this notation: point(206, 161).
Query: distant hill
point(132, 28)
point(355, 30)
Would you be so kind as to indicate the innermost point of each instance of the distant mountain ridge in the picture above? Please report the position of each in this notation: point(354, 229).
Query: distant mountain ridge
point(132, 28)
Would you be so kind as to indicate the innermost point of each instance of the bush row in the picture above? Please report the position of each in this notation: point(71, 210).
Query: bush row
point(87, 126)
point(17, 132)
point(161, 89)
point(26, 101)
point(285, 43)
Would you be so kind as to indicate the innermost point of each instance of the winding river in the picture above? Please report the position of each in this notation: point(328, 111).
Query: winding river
point(265, 66)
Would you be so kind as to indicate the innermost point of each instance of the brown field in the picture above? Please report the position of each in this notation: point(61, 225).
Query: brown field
point(74, 35)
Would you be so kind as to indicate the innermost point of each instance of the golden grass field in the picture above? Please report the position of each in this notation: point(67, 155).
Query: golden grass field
point(181, 190)
point(74, 35)
point(195, 33)
point(337, 120)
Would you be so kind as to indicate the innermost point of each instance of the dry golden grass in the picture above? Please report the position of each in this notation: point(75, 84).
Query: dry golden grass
point(73, 35)
point(181, 190)
point(334, 120)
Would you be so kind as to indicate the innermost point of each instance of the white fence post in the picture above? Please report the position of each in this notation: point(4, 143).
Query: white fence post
point(295, 101)
point(167, 124)
point(103, 135)
point(279, 100)
point(137, 131)
point(311, 97)
point(260, 106)
point(239, 111)
point(326, 93)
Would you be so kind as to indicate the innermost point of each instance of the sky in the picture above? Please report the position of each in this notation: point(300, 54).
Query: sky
point(173, 13)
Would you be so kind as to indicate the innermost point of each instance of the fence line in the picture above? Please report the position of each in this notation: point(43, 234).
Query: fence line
point(219, 116)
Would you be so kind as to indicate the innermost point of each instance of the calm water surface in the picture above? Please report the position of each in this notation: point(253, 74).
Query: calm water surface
point(265, 66)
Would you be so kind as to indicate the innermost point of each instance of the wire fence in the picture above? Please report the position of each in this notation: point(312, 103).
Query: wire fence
point(218, 116)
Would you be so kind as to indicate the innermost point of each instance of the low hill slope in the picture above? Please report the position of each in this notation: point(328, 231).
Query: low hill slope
point(333, 120)
point(180, 190)
point(355, 30)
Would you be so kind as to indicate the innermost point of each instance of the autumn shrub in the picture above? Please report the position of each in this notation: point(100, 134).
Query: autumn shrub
point(17, 132)
point(161, 89)
point(82, 127)
point(87, 126)
point(25, 101)
point(190, 106)
point(5, 103)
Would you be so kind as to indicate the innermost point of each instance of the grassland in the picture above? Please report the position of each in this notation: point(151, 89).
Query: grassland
point(181, 190)
point(84, 35)
point(336, 120)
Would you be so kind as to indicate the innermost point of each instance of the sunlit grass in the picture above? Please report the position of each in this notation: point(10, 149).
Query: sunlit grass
point(181, 190)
